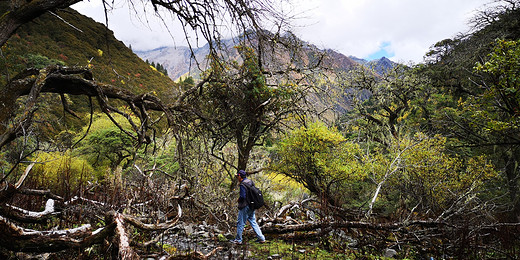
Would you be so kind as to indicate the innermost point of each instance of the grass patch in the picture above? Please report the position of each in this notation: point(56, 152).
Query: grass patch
point(279, 249)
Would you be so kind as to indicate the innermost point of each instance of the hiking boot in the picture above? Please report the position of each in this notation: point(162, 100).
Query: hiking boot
point(260, 241)
point(236, 242)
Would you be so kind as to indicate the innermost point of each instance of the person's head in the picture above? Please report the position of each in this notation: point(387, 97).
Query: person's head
point(241, 175)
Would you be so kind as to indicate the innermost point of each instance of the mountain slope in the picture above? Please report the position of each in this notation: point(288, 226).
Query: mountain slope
point(86, 43)
point(176, 60)
point(179, 62)
point(380, 66)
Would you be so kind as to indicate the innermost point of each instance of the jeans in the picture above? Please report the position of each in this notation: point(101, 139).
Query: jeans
point(245, 215)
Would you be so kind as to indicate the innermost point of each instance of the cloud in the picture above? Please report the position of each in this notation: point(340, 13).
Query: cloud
point(404, 28)
point(385, 50)
point(360, 27)
point(141, 29)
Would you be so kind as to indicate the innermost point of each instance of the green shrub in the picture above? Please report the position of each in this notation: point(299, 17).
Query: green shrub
point(38, 61)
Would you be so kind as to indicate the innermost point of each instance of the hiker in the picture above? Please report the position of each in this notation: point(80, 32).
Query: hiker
point(245, 213)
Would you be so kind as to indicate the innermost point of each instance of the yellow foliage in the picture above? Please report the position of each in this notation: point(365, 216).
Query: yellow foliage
point(321, 160)
point(62, 171)
point(101, 121)
point(287, 182)
point(99, 52)
point(439, 178)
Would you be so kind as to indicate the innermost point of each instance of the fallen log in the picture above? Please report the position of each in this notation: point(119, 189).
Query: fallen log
point(125, 251)
point(22, 215)
point(43, 193)
point(18, 239)
point(153, 227)
point(8, 190)
point(282, 228)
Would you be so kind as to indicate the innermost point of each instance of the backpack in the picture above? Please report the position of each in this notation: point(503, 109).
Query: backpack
point(254, 196)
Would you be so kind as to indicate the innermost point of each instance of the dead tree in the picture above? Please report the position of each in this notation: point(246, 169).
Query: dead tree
point(19, 239)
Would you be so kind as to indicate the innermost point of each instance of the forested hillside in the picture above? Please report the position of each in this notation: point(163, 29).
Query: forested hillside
point(102, 157)
point(71, 39)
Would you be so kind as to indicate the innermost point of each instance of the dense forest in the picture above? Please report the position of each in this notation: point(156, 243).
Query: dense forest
point(102, 156)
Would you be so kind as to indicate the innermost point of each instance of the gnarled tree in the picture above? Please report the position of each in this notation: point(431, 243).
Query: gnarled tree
point(203, 16)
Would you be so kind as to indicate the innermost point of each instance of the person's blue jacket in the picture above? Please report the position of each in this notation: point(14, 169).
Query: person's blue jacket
point(242, 201)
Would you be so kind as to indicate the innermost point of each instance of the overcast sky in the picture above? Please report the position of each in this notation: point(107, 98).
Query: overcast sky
point(402, 30)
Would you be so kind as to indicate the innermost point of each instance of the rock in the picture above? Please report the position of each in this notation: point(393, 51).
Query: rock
point(340, 235)
point(352, 242)
point(188, 229)
point(390, 252)
point(311, 215)
point(161, 215)
point(275, 256)
point(202, 227)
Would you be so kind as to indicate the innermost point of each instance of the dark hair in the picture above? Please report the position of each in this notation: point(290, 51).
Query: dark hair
point(241, 173)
